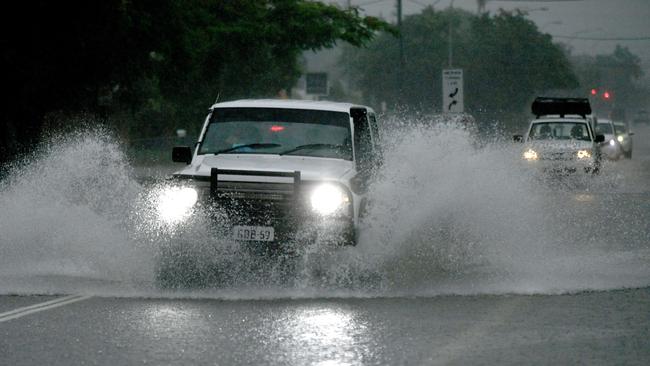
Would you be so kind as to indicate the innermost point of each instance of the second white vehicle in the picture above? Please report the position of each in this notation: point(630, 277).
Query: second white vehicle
point(611, 147)
point(561, 139)
point(624, 138)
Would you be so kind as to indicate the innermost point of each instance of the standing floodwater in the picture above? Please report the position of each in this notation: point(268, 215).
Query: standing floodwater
point(447, 217)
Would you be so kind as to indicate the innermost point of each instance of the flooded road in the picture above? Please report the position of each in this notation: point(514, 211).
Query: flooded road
point(466, 259)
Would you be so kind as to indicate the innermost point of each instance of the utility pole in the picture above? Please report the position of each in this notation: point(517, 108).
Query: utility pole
point(400, 72)
point(399, 26)
point(451, 52)
point(481, 6)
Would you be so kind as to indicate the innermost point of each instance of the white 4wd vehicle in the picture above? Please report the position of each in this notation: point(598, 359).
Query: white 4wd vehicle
point(561, 139)
point(282, 167)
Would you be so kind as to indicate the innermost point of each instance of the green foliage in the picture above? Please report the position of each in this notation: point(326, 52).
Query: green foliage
point(506, 62)
point(150, 66)
point(232, 49)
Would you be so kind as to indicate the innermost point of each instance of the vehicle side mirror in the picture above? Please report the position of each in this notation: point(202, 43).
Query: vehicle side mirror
point(182, 154)
point(599, 138)
point(518, 138)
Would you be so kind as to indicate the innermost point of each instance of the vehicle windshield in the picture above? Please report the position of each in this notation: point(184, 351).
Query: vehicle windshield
point(620, 128)
point(560, 131)
point(278, 131)
point(604, 128)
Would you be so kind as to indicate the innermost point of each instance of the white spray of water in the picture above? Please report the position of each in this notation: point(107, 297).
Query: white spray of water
point(447, 217)
point(64, 218)
point(450, 218)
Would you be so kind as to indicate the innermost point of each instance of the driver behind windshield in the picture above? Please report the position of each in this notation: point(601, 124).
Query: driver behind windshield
point(559, 131)
point(577, 132)
point(242, 136)
point(545, 132)
point(276, 131)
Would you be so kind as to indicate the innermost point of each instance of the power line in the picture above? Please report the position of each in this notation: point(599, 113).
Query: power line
point(370, 2)
point(535, 1)
point(644, 38)
point(423, 4)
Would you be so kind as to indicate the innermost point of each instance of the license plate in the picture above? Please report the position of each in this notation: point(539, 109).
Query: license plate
point(256, 233)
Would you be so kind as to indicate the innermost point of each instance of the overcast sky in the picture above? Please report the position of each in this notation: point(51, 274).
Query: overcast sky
point(604, 19)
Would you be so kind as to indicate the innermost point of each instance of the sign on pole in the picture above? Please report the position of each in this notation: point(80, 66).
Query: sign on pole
point(452, 91)
point(316, 83)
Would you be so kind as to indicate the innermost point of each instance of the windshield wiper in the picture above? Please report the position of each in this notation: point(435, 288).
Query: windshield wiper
point(251, 146)
point(313, 146)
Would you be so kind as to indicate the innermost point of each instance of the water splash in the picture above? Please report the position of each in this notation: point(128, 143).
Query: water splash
point(64, 217)
point(447, 217)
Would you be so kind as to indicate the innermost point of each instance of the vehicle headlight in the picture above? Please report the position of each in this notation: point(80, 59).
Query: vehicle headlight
point(620, 138)
point(584, 154)
point(328, 198)
point(175, 203)
point(612, 142)
point(530, 154)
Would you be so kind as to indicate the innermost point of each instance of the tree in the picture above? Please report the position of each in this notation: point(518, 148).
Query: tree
point(156, 62)
point(618, 73)
point(506, 61)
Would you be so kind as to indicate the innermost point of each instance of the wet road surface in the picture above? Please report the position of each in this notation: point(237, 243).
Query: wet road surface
point(587, 328)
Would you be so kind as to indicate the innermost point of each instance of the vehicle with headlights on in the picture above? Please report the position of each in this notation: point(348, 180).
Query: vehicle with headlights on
point(624, 138)
point(281, 171)
point(561, 139)
point(611, 147)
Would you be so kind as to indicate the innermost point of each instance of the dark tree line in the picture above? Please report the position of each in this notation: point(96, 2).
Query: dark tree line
point(619, 74)
point(146, 66)
point(506, 61)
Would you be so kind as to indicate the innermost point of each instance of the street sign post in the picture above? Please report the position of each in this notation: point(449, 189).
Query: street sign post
point(316, 83)
point(452, 91)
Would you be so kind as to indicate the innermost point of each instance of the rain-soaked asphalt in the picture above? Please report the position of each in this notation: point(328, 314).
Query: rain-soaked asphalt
point(555, 326)
point(588, 328)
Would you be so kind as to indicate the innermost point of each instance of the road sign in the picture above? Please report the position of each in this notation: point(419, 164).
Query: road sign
point(316, 83)
point(452, 91)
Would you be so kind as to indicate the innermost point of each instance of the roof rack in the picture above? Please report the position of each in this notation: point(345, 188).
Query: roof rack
point(549, 105)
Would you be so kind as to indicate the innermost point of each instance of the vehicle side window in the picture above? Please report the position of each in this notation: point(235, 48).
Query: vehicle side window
point(603, 128)
point(362, 139)
point(376, 140)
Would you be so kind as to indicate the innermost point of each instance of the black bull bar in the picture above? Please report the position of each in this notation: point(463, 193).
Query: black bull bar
point(215, 172)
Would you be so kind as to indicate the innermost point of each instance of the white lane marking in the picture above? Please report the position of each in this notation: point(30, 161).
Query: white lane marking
point(47, 305)
point(40, 304)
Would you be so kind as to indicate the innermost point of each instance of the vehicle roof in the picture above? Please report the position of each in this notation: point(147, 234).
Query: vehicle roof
point(290, 104)
point(556, 119)
point(604, 121)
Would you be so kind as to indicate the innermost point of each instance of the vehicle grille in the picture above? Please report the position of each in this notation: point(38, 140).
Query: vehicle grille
point(258, 203)
point(558, 156)
point(281, 192)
